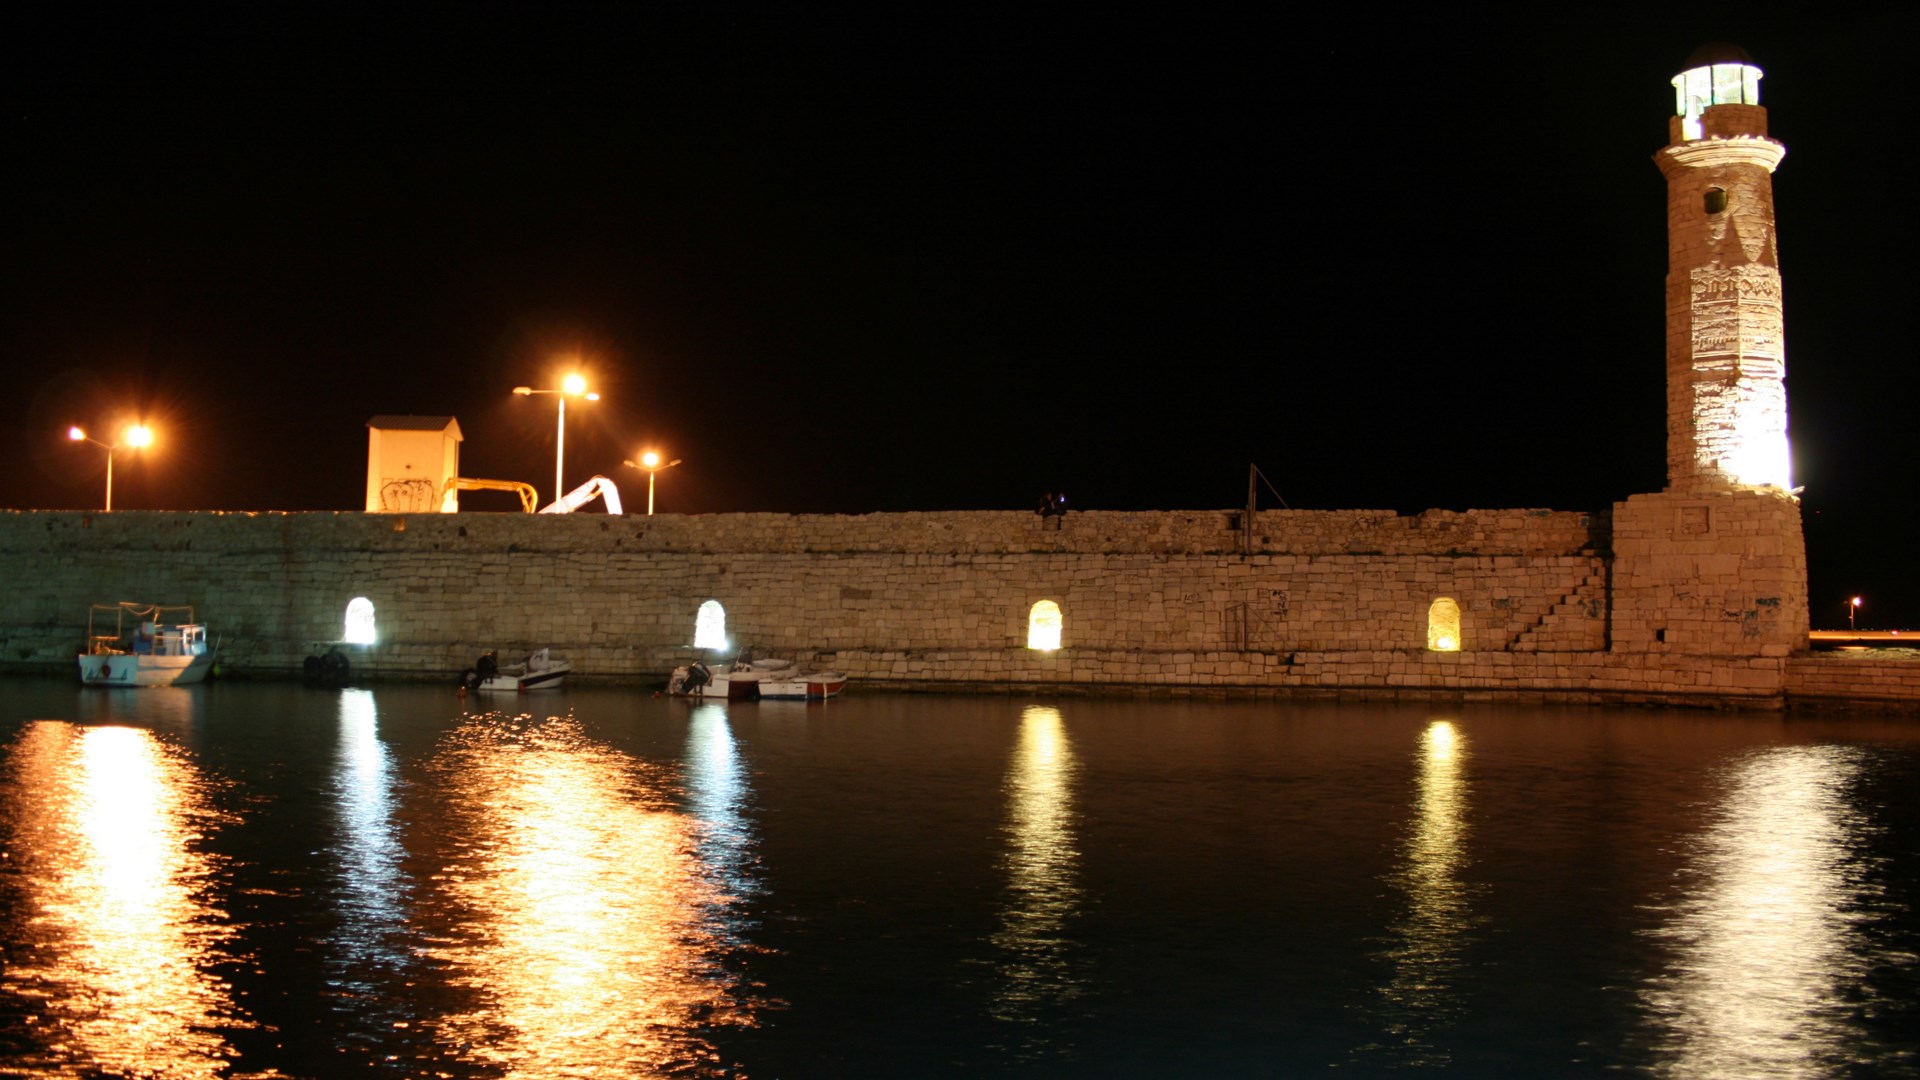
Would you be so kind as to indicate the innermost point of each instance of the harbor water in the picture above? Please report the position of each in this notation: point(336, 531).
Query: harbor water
point(266, 880)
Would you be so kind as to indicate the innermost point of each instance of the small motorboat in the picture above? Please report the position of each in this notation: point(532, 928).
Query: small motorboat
point(539, 672)
point(741, 681)
point(153, 651)
point(754, 680)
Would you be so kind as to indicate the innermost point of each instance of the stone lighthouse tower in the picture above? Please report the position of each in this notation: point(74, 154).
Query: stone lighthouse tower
point(1715, 565)
point(1726, 355)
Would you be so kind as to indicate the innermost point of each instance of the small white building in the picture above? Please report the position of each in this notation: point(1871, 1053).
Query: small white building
point(412, 465)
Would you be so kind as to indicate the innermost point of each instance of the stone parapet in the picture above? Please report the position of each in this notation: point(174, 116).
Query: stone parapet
point(1190, 532)
point(1887, 678)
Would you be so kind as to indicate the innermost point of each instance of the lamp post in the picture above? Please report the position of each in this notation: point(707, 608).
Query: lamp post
point(1853, 606)
point(137, 436)
point(571, 386)
point(650, 464)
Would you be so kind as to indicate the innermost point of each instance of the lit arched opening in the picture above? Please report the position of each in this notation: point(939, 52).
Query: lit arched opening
point(1043, 626)
point(359, 626)
point(1443, 625)
point(710, 626)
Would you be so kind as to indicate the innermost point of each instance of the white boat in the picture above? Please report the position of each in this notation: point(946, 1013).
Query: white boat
point(539, 672)
point(145, 647)
point(753, 680)
point(741, 680)
point(814, 686)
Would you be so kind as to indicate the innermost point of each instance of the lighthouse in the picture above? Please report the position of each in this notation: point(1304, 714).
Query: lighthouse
point(1715, 565)
point(1726, 354)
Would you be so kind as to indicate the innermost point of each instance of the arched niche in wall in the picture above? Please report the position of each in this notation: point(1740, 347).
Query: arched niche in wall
point(710, 626)
point(358, 629)
point(1443, 625)
point(1044, 623)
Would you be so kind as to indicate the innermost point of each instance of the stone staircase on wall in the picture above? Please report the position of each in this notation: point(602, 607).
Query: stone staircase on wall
point(1575, 623)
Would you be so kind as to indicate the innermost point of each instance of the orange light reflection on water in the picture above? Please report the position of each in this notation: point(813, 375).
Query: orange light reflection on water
point(583, 919)
point(1422, 995)
point(1036, 966)
point(124, 937)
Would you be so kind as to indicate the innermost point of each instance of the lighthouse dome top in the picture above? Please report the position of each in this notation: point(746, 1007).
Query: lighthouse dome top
point(1716, 52)
point(1716, 74)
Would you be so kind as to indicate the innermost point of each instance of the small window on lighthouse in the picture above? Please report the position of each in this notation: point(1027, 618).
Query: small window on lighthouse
point(1716, 200)
point(1443, 625)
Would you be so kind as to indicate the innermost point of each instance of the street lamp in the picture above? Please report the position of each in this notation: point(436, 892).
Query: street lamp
point(137, 436)
point(1853, 606)
point(571, 386)
point(650, 463)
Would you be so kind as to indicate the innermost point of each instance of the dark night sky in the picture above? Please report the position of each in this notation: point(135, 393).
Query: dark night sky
point(918, 261)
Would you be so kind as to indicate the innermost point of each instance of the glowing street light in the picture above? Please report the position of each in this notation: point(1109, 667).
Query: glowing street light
point(650, 463)
point(1853, 606)
point(135, 437)
point(571, 386)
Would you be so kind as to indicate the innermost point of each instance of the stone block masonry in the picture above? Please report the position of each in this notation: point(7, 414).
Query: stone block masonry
point(1710, 573)
point(1308, 602)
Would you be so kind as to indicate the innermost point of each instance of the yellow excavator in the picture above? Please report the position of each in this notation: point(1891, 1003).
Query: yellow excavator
point(529, 498)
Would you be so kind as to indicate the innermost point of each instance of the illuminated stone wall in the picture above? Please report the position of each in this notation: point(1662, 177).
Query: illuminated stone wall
point(622, 594)
point(1890, 681)
point(1304, 602)
point(1710, 573)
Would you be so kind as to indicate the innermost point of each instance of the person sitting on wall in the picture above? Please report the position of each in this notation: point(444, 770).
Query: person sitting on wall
point(1052, 505)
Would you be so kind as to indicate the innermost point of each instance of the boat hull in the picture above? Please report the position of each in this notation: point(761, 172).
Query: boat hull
point(742, 682)
point(143, 669)
point(817, 687)
point(522, 682)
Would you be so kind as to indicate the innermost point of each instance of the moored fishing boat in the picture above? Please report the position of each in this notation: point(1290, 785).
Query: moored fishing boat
point(145, 647)
point(755, 680)
point(539, 672)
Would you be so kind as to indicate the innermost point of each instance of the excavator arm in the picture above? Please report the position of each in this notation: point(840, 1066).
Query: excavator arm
point(599, 486)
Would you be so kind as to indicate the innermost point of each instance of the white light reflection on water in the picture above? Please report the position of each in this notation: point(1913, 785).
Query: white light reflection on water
point(123, 937)
point(578, 912)
point(1770, 934)
point(1422, 996)
point(373, 886)
point(717, 794)
point(1036, 967)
